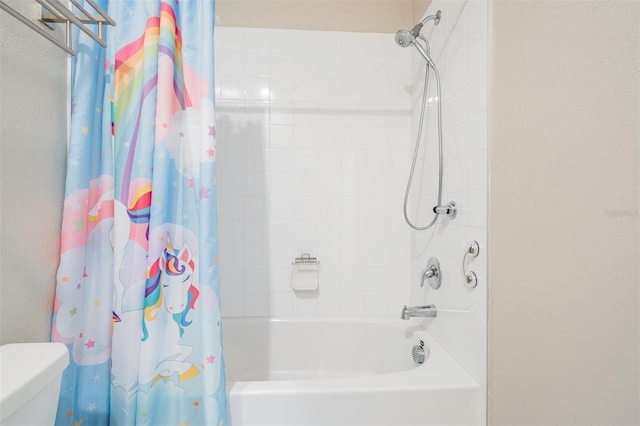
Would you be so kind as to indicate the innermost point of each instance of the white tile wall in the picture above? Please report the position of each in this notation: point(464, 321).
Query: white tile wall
point(314, 132)
point(459, 48)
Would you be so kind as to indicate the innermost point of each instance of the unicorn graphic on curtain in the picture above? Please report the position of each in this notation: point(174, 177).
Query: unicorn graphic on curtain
point(137, 298)
point(170, 297)
point(170, 285)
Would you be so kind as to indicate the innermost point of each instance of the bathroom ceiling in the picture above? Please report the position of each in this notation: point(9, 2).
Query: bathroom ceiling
point(327, 15)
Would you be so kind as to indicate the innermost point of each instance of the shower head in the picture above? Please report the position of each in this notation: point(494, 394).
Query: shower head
point(405, 38)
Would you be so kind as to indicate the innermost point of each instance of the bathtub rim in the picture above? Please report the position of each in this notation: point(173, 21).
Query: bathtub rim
point(443, 372)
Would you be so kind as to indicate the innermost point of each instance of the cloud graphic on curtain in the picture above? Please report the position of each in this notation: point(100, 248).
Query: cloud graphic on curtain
point(190, 140)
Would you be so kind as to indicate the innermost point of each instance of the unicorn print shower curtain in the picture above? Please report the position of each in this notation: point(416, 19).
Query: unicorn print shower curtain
point(137, 296)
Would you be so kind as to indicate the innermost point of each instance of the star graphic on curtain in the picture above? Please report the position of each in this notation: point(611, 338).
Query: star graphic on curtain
point(90, 344)
point(74, 311)
point(96, 302)
point(70, 413)
point(196, 403)
point(210, 152)
point(79, 224)
point(65, 279)
point(85, 130)
point(210, 359)
point(204, 192)
point(190, 182)
point(212, 131)
point(92, 406)
point(78, 422)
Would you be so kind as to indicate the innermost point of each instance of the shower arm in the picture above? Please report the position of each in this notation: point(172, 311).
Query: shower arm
point(436, 18)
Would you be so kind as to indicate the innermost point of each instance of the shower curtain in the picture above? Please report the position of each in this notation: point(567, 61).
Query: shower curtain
point(137, 296)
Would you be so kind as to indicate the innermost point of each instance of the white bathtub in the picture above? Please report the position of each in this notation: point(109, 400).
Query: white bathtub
point(342, 372)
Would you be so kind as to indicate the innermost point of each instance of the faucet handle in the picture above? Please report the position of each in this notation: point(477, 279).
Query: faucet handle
point(432, 274)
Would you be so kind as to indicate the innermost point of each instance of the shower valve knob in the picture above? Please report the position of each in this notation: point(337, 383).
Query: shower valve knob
point(432, 274)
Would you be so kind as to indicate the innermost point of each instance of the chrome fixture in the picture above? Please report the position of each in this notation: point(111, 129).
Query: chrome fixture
point(429, 311)
point(449, 209)
point(431, 273)
point(435, 18)
point(473, 249)
point(406, 38)
point(53, 11)
point(419, 353)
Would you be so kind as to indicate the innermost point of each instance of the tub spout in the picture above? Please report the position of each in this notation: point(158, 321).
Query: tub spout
point(418, 311)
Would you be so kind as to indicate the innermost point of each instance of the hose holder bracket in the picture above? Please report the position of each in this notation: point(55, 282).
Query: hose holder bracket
point(448, 209)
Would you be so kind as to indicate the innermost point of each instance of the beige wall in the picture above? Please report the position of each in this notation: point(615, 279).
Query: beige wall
point(328, 15)
point(563, 205)
point(33, 94)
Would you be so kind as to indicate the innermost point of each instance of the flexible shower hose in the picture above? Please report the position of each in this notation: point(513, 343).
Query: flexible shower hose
point(417, 148)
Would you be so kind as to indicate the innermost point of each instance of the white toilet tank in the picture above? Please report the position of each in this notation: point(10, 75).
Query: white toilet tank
point(30, 375)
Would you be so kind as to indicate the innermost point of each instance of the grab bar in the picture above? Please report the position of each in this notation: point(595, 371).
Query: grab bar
point(470, 278)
